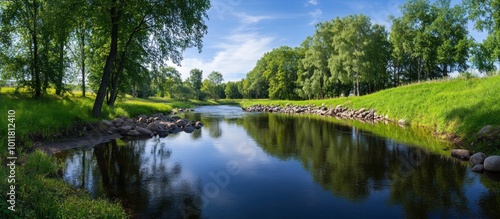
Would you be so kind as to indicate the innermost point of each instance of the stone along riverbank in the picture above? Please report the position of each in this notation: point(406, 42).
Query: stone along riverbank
point(139, 127)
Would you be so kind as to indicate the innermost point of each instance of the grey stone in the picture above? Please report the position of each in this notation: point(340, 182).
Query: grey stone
point(492, 163)
point(189, 129)
point(478, 168)
point(155, 127)
point(133, 133)
point(125, 128)
point(485, 129)
point(180, 122)
point(143, 131)
point(477, 158)
point(461, 153)
point(118, 120)
point(107, 123)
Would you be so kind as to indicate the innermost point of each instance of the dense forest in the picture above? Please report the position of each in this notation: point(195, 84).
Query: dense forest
point(117, 47)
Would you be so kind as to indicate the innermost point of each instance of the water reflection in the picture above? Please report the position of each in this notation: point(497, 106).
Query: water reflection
point(291, 167)
point(356, 165)
point(140, 176)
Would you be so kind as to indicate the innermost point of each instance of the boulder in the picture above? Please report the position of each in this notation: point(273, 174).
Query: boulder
point(477, 158)
point(107, 123)
point(478, 168)
point(118, 120)
point(171, 126)
point(143, 131)
point(142, 118)
point(133, 133)
point(125, 128)
point(461, 153)
point(180, 122)
point(485, 129)
point(155, 127)
point(189, 129)
point(492, 163)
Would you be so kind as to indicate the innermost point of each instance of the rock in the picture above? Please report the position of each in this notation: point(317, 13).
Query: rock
point(142, 118)
point(461, 153)
point(107, 123)
point(180, 122)
point(189, 129)
point(171, 126)
point(133, 133)
point(125, 128)
point(477, 158)
point(118, 120)
point(155, 127)
point(478, 168)
point(143, 131)
point(485, 129)
point(492, 163)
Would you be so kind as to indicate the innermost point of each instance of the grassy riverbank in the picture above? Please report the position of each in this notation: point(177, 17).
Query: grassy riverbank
point(458, 106)
point(39, 190)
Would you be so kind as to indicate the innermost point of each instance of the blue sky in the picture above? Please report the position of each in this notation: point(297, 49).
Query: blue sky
point(241, 31)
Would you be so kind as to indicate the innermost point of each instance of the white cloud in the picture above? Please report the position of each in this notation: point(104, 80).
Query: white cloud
point(249, 19)
point(312, 2)
point(315, 16)
point(236, 53)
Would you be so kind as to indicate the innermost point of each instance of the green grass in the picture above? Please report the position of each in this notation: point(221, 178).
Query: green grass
point(459, 106)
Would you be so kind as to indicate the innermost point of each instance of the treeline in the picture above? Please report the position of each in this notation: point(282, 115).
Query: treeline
point(351, 55)
point(119, 45)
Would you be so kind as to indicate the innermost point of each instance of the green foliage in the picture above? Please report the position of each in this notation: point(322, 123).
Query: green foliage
point(213, 86)
point(232, 91)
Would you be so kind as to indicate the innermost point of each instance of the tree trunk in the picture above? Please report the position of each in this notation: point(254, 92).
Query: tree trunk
point(116, 78)
point(38, 84)
point(59, 84)
point(108, 67)
point(82, 47)
point(357, 84)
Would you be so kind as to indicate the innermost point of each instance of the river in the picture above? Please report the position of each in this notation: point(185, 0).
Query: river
point(256, 165)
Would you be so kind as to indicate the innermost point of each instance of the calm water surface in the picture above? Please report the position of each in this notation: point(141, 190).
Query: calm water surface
point(252, 165)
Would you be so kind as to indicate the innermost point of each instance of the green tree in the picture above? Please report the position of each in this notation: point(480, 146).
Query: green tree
point(315, 76)
point(487, 18)
point(281, 72)
point(129, 19)
point(231, 90)
point(213, 85)
point(195, 81)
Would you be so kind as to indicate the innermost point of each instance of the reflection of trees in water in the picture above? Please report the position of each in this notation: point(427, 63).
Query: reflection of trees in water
point(353, 164)
point(489, 201)
point(143, 179)
point(213, 126)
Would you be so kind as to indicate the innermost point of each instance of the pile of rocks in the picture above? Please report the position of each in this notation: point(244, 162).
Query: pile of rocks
point(480, 162)
point(157, 124)
point(338, 111)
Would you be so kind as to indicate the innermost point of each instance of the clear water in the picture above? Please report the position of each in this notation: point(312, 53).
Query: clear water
point(252, 165)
